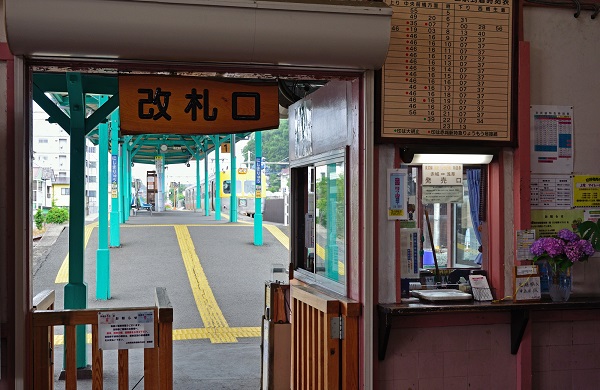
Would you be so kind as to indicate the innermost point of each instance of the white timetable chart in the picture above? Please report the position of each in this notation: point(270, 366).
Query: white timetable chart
point(551, 192)
point(448, 70)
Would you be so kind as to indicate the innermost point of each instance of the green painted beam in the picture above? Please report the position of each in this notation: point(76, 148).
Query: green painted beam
point(101, 114)
point(91, 83)
point(55, 113)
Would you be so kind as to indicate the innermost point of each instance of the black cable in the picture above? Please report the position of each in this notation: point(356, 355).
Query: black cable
point(138, 382)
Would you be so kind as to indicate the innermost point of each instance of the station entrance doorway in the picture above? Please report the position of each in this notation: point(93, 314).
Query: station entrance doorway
point(351, 66)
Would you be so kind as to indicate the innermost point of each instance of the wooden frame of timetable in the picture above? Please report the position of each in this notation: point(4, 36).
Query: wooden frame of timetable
point(526, 284)
point(450, 73)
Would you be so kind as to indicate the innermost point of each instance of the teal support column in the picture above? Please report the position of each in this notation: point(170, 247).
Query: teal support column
point(198, 198)
point(258, 217)
point(217, 182)
point(121, 182)
point(206, 185)
point(233, 199)
point(127, 180)
point(76, 289)
point(331, 252)
point(163, 181)
point(103, 254)
point(115, 228)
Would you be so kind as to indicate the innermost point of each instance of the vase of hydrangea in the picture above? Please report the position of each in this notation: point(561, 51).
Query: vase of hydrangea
point(561, 252)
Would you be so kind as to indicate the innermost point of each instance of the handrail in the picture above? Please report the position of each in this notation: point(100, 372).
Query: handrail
point(158, 361)
point(44, 300)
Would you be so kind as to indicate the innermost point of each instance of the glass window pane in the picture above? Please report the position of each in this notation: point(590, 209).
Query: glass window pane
point(330, 221)
point(226, 186)
point(248, 186)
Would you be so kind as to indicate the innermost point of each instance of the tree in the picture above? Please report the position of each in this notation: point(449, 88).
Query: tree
point(275, 148)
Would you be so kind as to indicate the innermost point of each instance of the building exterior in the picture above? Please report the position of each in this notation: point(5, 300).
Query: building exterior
point(51, 151)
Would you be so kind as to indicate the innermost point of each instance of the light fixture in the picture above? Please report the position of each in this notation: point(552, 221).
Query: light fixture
point(450, 158)
point(163, 147)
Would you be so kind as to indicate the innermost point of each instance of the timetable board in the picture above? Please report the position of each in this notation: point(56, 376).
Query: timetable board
point(448, 72)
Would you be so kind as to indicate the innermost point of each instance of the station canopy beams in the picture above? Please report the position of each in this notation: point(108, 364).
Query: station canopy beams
point(52, 92)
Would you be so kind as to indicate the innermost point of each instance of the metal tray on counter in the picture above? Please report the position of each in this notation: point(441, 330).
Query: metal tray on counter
point(441, 295)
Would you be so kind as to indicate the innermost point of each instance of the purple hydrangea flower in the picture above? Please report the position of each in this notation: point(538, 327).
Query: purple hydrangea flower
point(568, 235)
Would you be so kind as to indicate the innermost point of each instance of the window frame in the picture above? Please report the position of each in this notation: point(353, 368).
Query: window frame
point(451, 224)
point(299, 252)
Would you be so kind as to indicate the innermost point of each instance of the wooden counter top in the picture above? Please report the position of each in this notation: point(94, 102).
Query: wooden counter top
point(519, 312)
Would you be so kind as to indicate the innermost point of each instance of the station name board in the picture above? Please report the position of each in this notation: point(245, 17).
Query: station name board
point(191, 105)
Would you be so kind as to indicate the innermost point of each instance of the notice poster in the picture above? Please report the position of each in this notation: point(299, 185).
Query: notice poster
point(551, 139)
point(548, 222)
point(551, 192)
point(525, 239)
point(125, 329)
point(397, 194)
point(586, 191)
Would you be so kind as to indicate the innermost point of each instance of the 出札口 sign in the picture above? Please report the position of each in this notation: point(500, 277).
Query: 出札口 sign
point(189, 105)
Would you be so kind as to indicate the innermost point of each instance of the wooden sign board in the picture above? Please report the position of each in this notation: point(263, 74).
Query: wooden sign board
point(526, 283)
point(448, 73)
point(191, 105)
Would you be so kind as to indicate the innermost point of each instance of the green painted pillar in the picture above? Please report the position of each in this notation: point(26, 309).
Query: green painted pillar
point(121, 181)
point(127, 184)
point(331, 251)
point(233, 199)
point(103, 254)
point(76, 290)
point(198, 198)
point(115, 228)
point(206, 187)
point(258, 217)
point(163, 183)
point(217, 182)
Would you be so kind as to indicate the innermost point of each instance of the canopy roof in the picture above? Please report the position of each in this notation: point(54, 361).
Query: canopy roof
point(59, 94)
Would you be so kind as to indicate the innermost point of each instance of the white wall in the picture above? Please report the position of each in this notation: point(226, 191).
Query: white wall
point(565, 61)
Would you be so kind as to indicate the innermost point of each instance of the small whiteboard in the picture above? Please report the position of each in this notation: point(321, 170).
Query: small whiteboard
point(526, 283)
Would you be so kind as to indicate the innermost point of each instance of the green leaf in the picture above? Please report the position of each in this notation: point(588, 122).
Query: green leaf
point(590, 231)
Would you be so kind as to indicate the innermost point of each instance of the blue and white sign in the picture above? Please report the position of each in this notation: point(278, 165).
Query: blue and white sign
point(258, 170)
point(114, 166)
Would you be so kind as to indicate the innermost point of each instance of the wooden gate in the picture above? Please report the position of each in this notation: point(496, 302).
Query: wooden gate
point(158, 361)
point(324, 340)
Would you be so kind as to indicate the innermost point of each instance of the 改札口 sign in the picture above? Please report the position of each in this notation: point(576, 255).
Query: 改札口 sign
point(191, 105)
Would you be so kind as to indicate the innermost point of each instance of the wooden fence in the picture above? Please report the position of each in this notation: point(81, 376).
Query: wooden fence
point(158, 361)
point(324, 340)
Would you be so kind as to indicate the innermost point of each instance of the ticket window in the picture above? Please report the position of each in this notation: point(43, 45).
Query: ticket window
point(319, 207)
point(455, 225)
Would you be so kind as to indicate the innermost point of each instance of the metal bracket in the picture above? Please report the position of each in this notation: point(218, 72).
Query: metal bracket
point(337, 328)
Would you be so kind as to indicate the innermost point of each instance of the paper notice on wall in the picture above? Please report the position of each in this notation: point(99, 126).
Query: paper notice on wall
point(397, 194)
point(586, 191)
point(525, 239)
point(551, 139)
point(551, 192)
point(409, 257)
point(548, 222)
point(442, 194)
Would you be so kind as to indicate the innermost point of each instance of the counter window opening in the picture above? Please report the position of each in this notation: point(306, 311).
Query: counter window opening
point(320, 254)
point(455, 226)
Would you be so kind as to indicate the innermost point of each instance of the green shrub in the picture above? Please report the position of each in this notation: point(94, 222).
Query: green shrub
point(57, 215)
point(39, 219)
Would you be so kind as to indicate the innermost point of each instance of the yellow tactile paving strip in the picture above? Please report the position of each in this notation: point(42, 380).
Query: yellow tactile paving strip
point(211, 314)
point(216, 328)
